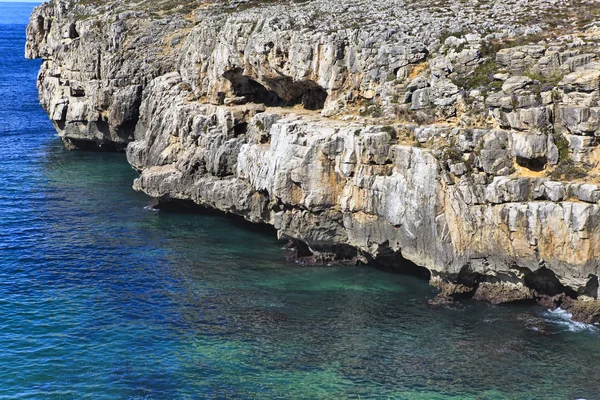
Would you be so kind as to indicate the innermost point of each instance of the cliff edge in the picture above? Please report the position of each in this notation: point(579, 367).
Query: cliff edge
point(460, 136)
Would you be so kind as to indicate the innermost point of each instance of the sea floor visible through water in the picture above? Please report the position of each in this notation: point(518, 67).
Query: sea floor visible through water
point(103, 299)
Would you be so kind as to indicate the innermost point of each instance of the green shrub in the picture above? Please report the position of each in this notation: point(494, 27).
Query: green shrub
point(481, 78)
point(566, 169)
point(391, 131)
point(552, 79)
point(562, 144)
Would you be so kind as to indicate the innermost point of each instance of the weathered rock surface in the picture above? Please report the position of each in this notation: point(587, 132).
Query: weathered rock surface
point(362, 133)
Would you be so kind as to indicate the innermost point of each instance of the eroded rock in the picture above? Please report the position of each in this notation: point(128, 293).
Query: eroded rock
point(352, 129)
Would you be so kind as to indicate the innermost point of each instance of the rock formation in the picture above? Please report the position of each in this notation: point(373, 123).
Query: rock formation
point(460, 136)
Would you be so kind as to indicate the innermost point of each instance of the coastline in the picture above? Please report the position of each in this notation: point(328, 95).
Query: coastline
point(317, 143)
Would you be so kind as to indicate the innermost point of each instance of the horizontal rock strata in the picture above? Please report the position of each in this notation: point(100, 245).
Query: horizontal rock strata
point(460, 137)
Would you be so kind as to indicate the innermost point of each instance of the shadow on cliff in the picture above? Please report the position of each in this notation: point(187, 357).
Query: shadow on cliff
point(393, 262)
point(299, 252)
point(188, 207)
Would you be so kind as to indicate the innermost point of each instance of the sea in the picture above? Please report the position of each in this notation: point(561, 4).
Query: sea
point(102, 298)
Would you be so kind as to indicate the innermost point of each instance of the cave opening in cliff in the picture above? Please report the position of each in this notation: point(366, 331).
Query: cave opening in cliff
point(40, 25)
point(177, 206)
point(533, 164)
point(314, 97)
point(279, 92)
point(252, 91)
point(73, 34)
point(240, 129)
point(307, 93)
point(544, 281)
point(104, 146)
point(392, 261)
point(321, 253)
point(591, 287)
point(127, 129)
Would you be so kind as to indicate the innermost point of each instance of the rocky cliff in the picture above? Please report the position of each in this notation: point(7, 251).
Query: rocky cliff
point(461, 136)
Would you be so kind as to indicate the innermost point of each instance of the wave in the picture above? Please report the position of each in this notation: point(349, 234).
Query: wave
point(564, 319)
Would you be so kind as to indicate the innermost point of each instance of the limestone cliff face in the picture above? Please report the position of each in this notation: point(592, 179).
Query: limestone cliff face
point(363, 131)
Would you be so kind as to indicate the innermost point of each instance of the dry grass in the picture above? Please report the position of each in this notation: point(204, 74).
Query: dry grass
point(416, 70)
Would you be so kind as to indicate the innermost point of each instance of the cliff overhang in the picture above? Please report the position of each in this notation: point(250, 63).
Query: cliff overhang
point(459, 138)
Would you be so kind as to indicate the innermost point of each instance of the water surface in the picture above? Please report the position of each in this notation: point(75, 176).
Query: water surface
point(102, 299)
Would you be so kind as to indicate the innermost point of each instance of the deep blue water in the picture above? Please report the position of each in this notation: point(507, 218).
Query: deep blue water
point(102, 299)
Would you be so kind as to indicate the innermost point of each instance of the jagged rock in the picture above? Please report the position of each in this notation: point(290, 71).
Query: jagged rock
point(445, 93)
point(507, 190)
point(586, 310)
point(292, 115)
point(529, 146)
point(585, 79)
point(580, 120)
point(465, 60)
point(494, 162)
point(421, 98)
point(515, 83)
point(458, 169)
point(588, 193)
point(554, 191)
point(522, 119)
point(454, 42)
point(418, 83)
point(519, 59)
point(502, 292)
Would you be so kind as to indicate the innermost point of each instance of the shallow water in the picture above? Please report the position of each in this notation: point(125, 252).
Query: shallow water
point(100, 298)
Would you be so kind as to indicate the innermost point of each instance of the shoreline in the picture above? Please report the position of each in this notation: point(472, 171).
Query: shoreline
point(463, 153)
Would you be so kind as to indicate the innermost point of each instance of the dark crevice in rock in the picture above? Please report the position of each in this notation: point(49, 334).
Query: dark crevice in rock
point(297, 250)
point(176, 206)
point(103, 127)
point(533, 164)
point(40, 25)
point(541, 286)
point(127, 129)
point(198, 166)
point(314, 98)
point(73, 34)
point(467, 284)
point(251, 90)
point(94, 145)
point(545, 282)
point(591, 287)
point(125, 133)
point(308, 93)
point(281, 92)
point(240, 129)
point(468, 277)
point(329, 254)
point(77, 91)
point(278, 205)
point(393, 261)
point(265, 139)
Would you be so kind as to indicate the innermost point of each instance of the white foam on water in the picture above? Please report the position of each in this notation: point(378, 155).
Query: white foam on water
point(564, 318)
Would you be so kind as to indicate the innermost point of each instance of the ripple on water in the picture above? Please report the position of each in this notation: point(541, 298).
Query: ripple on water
point(100, 298)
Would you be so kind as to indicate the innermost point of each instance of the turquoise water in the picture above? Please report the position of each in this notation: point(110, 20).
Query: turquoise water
point(102, 299)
